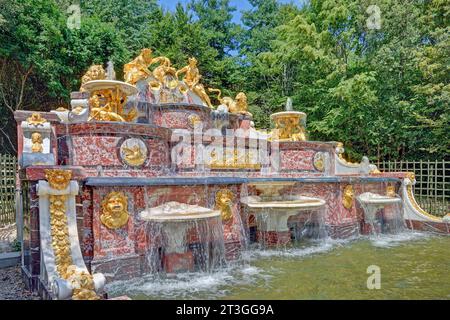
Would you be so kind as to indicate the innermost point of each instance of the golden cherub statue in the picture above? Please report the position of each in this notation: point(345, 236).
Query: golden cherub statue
point(138, 68)
point(107, 105)
point(192, 80)
point(36, 139)
point(95, 72)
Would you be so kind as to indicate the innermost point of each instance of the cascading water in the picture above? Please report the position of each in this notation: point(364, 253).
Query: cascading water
point(183, 237)
point(382, 214)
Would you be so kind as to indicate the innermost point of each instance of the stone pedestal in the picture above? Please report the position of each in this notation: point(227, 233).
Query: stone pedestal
point(176, 262)
point(273, 238)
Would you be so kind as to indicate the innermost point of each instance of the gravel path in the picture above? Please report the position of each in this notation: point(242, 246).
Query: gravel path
point(12, 286)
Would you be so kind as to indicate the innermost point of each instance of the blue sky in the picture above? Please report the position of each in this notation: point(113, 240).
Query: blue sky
point(239, 4)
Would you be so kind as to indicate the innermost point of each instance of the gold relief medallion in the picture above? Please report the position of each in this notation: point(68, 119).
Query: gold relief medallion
point(133, 152)
point(319, 161)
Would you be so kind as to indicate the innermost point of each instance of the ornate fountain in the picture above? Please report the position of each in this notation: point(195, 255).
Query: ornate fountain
point(138, 170)
point(272, 210)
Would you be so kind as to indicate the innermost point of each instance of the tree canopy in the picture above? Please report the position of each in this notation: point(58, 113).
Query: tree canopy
point(372, 74)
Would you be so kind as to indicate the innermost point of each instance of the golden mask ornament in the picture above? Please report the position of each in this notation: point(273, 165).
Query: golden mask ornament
point(36, 140)
point(95, 72)
point(390, 191)
point(36, 119)
point(58, 179)
point(348, 196)
point(115, 210)
point(224, 202)
point(193, 119)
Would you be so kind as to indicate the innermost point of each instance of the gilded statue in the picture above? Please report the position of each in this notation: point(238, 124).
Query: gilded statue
point(192, 80)
point(138, 69)
point(133, 156)
point(36, 140)
point(114, 210)
point(224, 202)
point(347, 198)
point(288, 127)
point(95, 72)
point(36, 119)
point(58, 179)
point(107, 105)
point(238, 105)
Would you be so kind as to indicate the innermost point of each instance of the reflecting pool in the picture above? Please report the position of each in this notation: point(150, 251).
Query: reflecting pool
point(413, 265)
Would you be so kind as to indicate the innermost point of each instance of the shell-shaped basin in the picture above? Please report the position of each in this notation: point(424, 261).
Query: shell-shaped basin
point(176, 212)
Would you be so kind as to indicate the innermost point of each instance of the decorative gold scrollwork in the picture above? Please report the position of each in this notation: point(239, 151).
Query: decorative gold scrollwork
point(36, 119)
point(58, 179)
point(82, 282)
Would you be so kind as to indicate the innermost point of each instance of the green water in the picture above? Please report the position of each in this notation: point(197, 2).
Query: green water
point(412, 266)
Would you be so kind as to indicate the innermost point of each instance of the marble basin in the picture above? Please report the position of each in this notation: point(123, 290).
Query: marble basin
point(372, 202)
point(273, 215)
point(377, 199)
point(96, 85)
point(175, 218)
point(271, 189)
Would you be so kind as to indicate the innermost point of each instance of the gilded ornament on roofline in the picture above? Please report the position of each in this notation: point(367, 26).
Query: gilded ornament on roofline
point(36, 119)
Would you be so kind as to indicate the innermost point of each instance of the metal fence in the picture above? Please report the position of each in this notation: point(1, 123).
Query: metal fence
point(8, 169)
point(432, 190)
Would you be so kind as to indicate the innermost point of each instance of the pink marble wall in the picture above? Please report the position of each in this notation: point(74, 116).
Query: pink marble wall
point(134, 238)
point(297, 160)
point(91, 150)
